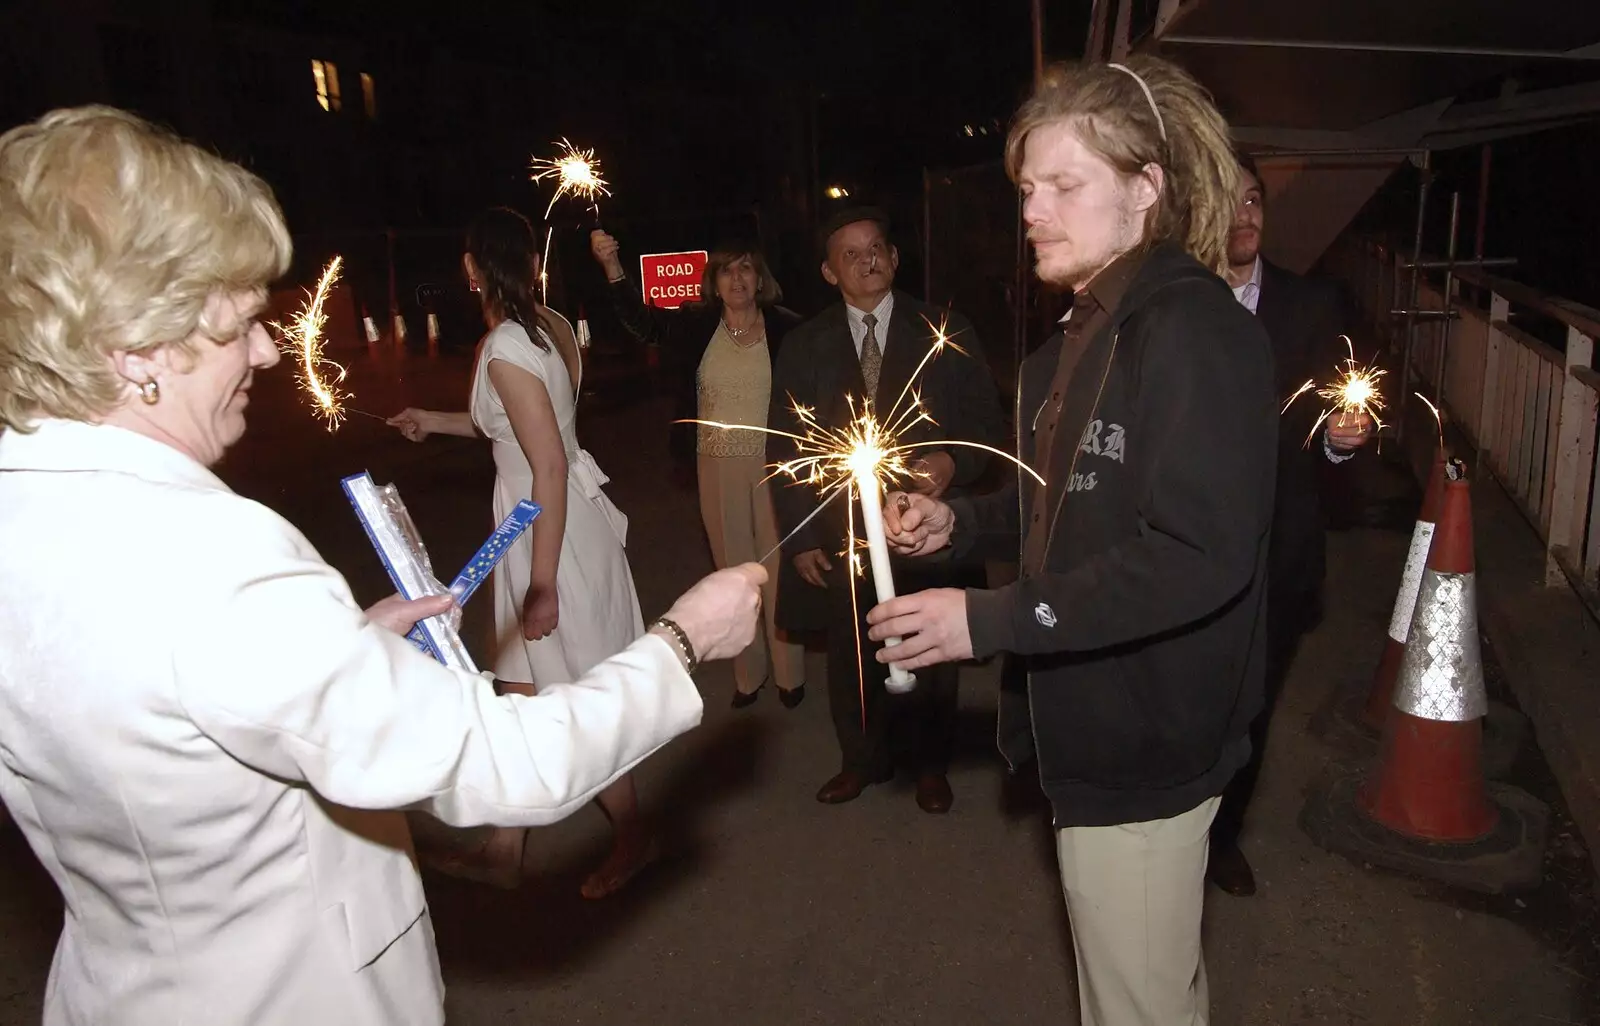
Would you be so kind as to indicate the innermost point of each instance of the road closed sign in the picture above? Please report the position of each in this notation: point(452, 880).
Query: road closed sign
point(670, 280)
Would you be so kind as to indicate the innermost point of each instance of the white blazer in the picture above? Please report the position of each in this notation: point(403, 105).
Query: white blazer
point(201, 734)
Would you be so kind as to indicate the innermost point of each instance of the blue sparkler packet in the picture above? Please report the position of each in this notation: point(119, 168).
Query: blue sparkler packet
point(487, 557)
point(399, 545)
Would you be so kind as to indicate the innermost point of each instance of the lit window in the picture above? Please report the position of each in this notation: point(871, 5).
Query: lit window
point(369, 96)
point(326, 76)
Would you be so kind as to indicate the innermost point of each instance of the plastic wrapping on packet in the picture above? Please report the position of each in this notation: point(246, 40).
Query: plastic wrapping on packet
point(399, 545)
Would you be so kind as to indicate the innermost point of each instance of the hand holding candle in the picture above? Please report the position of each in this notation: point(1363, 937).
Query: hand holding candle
point(900, 680)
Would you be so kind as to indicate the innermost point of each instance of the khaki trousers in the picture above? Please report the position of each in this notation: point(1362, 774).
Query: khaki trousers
point(736, 506)
point(1135, 893)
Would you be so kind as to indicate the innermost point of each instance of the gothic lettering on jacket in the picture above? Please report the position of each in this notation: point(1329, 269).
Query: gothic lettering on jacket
point(1102, 439)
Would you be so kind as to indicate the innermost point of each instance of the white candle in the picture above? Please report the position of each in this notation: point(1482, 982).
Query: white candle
point(900, 681)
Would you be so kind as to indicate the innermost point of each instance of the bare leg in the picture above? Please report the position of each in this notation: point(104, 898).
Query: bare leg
point(633, 846)
point(489, 854)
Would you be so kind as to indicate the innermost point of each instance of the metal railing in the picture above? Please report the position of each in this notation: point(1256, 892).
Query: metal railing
point(1527, 406)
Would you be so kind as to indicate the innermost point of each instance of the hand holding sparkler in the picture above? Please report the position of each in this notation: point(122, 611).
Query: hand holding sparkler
point(1348, 432)
point(1356, 401)
point(607, 253)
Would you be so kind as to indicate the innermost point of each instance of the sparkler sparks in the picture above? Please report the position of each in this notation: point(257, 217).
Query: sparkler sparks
point(1438, 418)
point(577, 173)
point(304, 338)
point(863, 457)
point(1355, 391)
point(868, 448)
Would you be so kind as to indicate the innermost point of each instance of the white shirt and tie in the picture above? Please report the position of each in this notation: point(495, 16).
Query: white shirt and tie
point(869, 329)
point(1249, 297)
point(880, 315)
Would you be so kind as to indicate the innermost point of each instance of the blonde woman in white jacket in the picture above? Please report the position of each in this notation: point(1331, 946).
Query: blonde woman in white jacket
point(203, 737)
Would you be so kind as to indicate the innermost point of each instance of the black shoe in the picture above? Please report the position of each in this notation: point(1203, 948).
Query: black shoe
point(743, 700)
point(1230, 871)
point(847, 785)
point(933, 793)
point(792, 697)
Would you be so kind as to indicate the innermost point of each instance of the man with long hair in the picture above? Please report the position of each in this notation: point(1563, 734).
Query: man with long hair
point(1139, 614)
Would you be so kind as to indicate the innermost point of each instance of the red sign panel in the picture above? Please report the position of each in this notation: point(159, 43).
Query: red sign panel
point(670, 280)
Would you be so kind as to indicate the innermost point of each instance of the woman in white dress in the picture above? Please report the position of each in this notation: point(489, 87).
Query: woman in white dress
point(564, 598)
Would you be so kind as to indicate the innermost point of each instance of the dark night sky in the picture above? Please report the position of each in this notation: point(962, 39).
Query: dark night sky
point(698, 109)
point(894, 82)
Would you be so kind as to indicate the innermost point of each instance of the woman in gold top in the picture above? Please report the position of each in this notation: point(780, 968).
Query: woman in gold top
point(732, 338)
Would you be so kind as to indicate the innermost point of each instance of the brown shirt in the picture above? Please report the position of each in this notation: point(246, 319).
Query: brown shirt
point(1092, 307)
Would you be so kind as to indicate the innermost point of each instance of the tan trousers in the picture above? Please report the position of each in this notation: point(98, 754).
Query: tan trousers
point(737, 509)
point(1134, 894)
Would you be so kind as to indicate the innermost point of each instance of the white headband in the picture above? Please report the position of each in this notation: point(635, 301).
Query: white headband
point(1148, 95)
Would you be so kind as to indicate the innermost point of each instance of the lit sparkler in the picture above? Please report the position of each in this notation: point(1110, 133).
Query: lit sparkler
point(544, 266)
point(1438, 418)
point(303, 337)
point(859, 461)
point(1355, 391)
point(577, 173)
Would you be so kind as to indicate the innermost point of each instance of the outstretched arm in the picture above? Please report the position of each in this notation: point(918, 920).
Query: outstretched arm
point(417, 424)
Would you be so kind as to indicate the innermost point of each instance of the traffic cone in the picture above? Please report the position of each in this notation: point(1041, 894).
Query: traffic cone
point(1430, 784)
point(1427, 809)
point(1376, 711)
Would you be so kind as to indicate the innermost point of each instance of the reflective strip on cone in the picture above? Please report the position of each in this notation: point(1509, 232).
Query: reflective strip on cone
point(433, 328)
point(372, 328)
point(1442, 675)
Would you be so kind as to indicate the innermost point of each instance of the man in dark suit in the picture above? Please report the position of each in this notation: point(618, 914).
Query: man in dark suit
point(1304, 319)
point(870, 344)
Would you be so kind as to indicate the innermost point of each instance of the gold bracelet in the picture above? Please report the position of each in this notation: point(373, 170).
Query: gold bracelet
point(690, 661)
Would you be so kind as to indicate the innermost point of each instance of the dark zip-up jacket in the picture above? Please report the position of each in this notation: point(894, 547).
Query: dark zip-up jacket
point(1143, 633)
